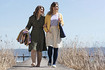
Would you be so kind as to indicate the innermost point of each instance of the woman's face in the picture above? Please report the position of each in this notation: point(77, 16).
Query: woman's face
point(41, 11)
point(55, 8)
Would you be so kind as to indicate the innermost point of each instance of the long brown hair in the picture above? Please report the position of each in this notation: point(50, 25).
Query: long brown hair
point(51, 7)
point(35, 13)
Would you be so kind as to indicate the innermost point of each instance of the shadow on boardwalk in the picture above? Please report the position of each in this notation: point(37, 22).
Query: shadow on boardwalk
point(26, 65)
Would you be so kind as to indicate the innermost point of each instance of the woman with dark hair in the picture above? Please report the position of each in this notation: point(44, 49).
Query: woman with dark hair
point(51, 27)
point(37, 45)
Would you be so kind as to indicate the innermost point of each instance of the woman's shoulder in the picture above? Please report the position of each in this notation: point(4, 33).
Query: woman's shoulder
point(31, 17)
point(47, 16)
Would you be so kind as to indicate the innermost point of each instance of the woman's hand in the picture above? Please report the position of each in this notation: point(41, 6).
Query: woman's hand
point(59, 20)
point(44, 25)
point(26, 29)
point(48, 31)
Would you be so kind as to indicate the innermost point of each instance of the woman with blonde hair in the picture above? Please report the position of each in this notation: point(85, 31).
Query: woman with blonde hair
point(37, 45)
point(51, 27)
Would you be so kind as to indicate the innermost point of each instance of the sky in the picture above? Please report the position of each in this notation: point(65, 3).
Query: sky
point(84, 19)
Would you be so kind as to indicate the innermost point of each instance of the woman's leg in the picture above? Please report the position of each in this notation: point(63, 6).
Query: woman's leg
point(39, 58)
point(55, 55)
point(33, 57)
point(50, 54)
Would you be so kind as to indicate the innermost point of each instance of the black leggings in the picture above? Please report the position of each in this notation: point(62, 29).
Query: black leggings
point(55, 54)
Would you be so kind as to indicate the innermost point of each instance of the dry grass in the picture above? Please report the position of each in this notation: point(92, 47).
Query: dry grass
point(80, 59)
point(7, 59)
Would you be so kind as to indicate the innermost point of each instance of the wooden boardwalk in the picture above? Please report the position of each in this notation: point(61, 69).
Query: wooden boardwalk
point(26, 65)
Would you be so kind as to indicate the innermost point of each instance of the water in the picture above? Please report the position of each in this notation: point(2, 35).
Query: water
point(20, 52)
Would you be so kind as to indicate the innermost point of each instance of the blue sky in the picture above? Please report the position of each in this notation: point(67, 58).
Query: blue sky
point(82, 18)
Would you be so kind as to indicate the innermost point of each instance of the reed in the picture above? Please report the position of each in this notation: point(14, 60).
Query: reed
point(7, 59)
point(75, 56)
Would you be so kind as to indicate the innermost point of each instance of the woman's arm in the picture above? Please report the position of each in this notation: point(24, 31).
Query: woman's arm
point(61, 20)
point(29, 24)
point(45, 24)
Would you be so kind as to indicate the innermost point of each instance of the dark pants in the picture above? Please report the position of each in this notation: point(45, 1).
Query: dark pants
point(55, 54)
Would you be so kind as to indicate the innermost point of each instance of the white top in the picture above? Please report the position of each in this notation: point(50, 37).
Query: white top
point(54, 20)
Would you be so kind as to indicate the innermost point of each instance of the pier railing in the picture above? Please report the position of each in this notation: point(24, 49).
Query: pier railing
point(23, 56)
